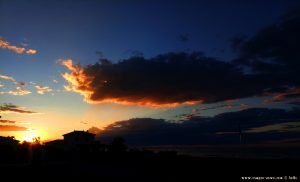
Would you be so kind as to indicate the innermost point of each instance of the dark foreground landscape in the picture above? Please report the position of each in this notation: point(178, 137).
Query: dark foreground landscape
point(158, 168)
point(117, 162)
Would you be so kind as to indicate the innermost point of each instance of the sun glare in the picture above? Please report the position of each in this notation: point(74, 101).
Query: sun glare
point(29, 135)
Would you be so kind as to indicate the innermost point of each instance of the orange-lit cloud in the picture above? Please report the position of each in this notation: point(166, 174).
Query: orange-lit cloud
point(6, 45)
point(19, 89)
point(231, 100)
point(31, 51)
point(8, 78)
point(228, 107)
point(10, 108)
point(19, 50)
point(166, 80)
point(12, 128)
point(42, 89)
point(291, 93)
point(77, 79)
point(6, 121)
point(150, 103)
point(94, 130)
point(115, 83)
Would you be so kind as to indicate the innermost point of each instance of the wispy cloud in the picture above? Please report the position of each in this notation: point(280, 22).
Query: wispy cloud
point(291, 93)
point(6, 121)
point(5, 77)
point(18, 92)
point(19, 50)
point(11, 108)
point(19, 89)
point(24, 123)
point(31, 51)
point(11, 122)
point(196, 112)
point(12, 128)
point(84, 122)
point(281, 127)
point(42, 89)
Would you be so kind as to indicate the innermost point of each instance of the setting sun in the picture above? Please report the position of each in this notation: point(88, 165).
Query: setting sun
point(29, 135)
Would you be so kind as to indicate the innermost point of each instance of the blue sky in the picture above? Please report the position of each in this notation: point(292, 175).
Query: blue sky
point(76, 30)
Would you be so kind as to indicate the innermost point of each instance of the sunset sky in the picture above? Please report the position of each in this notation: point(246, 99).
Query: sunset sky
point(60, 66)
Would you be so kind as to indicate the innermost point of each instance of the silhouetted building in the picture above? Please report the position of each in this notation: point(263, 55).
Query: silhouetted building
point(55, 144)
point(77, 139)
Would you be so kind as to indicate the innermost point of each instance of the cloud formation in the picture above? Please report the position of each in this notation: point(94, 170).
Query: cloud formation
point(19, 50)
point(290, 94)
point(42, 89)
point(18, 91)
point(196, 112)
point(258, 125)
point(12, 128)
point(165, 80)
point(6, 121)
point(170, 79)
point(273, 53)
point(8, 78)
point(31, 51)
point(94, 130)
point(10, 108)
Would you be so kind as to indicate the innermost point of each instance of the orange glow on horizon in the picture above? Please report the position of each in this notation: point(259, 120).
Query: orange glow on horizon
point(143, 103)
point(30, 134)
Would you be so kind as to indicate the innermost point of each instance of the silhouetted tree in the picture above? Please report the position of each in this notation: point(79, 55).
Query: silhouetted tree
point(37, 140)
point(37, 151)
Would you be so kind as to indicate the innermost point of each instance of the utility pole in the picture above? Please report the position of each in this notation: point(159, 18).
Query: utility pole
point(240, 138)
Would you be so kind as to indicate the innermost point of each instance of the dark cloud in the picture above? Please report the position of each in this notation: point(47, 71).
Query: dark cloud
point(6, 121)
point(10, 108)
point(273, 54)
point(271, 57)
point(197, 111)
point(165, 80)
point(222, 128)
point(289, 94)
point(274, 51)
point(12, 128)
